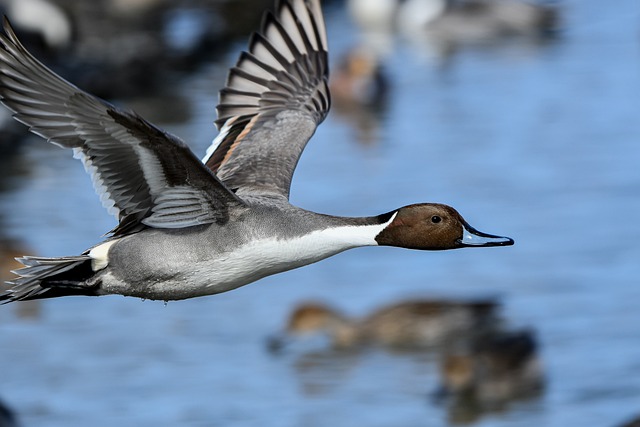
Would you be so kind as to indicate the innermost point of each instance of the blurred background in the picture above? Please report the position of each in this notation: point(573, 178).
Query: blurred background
point(526, 119)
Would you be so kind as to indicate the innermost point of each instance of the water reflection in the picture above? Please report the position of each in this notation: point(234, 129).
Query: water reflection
point(323, 372)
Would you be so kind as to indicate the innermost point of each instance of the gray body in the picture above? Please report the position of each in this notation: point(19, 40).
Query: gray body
point(170, 264)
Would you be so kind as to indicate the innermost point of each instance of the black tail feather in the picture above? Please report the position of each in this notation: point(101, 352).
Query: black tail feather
point(49, 278)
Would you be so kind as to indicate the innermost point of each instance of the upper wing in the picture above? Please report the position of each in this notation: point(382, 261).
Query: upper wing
point(275, 97)
point(142, 174)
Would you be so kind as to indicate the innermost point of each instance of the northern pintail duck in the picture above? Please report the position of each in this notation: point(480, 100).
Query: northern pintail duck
point(408, 324)
point(497, 367)
point(187, 227)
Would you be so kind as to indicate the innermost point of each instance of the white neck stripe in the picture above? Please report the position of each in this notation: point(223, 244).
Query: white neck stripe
point(354, 235)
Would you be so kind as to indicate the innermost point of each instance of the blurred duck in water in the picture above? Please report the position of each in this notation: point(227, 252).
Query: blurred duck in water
point(118, 48)
point(359, 93)
point(633, 422)
point(409, 324)
point(7, 417)
point(43, 25)
point(496, 368)
point(457, 22)
point(359, 80)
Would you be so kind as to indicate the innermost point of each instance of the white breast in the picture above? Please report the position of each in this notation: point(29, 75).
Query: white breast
point(264, 257)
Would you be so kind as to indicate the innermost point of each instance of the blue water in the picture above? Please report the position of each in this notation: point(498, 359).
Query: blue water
point(536, 143)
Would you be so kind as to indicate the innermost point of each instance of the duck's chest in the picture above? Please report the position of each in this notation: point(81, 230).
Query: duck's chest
point(262, 257)
point(257, 259)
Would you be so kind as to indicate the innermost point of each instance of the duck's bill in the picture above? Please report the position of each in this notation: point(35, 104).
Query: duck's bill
point(474, 238)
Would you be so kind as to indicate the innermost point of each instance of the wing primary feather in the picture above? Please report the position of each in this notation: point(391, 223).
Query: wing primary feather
point(276, 95)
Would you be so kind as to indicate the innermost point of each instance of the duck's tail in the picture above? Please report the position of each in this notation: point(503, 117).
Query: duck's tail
point(50, 277)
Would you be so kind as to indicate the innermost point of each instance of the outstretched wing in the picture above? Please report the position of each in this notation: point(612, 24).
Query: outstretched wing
point(275, 97)
point(142, 174)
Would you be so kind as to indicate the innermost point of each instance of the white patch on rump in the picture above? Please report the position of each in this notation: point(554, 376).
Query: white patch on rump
point(99, 255)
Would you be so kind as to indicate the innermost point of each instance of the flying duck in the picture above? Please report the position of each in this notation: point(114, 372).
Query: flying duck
point(190, 227)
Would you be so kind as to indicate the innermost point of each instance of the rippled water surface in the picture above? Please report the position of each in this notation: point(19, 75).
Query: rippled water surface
point(539, 143)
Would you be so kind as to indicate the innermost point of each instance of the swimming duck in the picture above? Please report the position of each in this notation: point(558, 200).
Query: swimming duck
point(190, 227)
point(475, 22)
point(408, 324)
point(450, 21)
point(43, 19)
point(359, 81)
point(499, 366)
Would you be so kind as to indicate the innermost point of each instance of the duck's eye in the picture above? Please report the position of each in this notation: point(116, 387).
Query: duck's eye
point(436, 219)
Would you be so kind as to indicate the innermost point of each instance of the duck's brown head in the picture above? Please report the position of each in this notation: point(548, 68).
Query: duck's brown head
point(313, 317)
point(432, 226)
